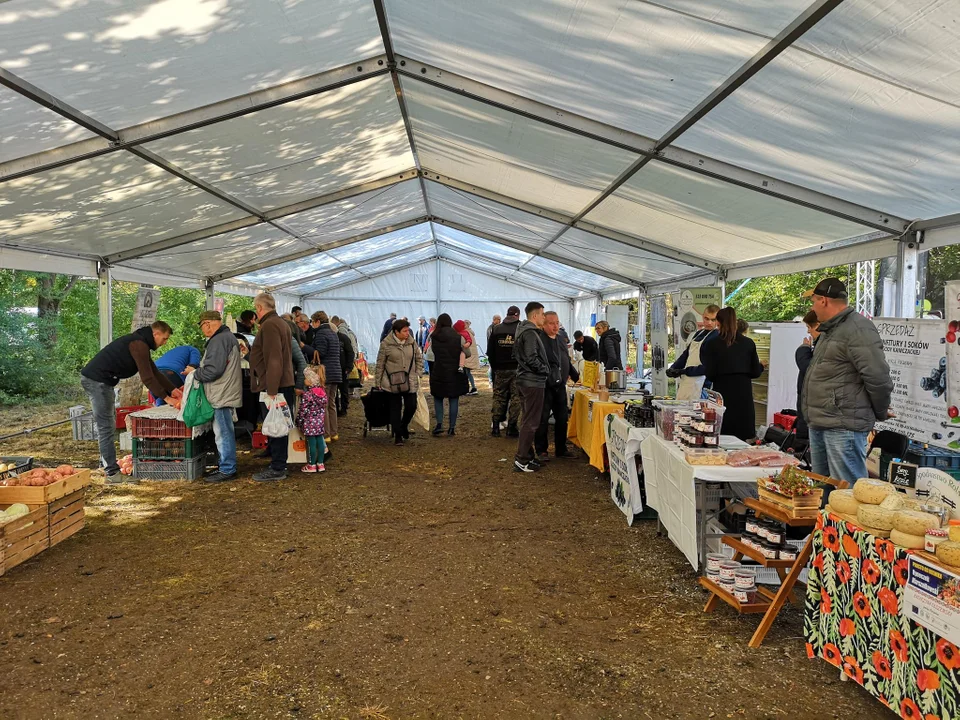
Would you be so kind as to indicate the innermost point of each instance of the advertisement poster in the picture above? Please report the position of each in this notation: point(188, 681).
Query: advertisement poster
point(148, 302)
point(931, 598)
point(932, 483)
point(688, 309)
point(622, 453)
point(951, 308)
point(915, 352)
point(659, 340)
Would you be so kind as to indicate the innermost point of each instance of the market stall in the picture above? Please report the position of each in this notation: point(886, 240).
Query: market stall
point(855, 620)
point(586, 427)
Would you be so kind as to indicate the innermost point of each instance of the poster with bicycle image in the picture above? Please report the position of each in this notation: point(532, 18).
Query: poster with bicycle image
point(916, 351)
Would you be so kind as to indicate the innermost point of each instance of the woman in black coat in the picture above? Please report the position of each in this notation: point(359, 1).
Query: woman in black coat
point(731, 364)
point(447, 380)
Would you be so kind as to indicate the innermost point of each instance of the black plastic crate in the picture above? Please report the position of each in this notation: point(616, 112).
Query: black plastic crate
point(23, 464)
point(932, 457)
point(191, 469)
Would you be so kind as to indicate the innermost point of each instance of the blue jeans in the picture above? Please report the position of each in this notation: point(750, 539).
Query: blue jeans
point(454, 410)
point(840, 454)
point(469, 373)
point(226, 439)
point(103, 399)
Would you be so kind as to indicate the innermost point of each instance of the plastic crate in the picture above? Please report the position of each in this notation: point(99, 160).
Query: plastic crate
point(23, 464)
point(785, 421)
point(162, 428)
point(260, 440)
point(931, 457)
point(169, 449)
point(170, 469)
point(124, 411)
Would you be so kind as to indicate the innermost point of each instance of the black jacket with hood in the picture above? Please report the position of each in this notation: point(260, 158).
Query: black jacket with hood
point(610, 350)
point(500, 345)
point(529, 353)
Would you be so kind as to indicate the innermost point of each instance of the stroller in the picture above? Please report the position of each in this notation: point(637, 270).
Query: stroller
point(376, 410)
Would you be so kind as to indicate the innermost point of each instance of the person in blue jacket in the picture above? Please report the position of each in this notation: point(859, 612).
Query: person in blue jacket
point(174, 363)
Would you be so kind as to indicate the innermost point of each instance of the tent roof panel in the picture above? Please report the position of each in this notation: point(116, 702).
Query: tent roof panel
point(346, 218)
point(401, 262)
point(301, 149)
point(579, 245)
point(135, 60)
point(631, 64)
point(913, 43)
point(224, 253)
point(510, 154)
point(764, 18)
point(337, 279)
point(479, 246)
point(504, 275)
point(290, 271)
point(27, 128)
point(815, 123)
point(388, 243)
point(713, 219)
point(550, 268)
point(104, 205)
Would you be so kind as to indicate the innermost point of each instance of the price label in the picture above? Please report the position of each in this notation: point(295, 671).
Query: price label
point(903, 475)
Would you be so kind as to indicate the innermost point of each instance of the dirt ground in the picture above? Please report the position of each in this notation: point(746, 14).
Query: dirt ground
point(427, 581)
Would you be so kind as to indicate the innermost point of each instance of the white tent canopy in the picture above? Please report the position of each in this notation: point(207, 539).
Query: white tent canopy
point(567, 147)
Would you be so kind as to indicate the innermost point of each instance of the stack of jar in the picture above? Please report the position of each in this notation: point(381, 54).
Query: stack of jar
point(732, 577)
point(698, 429)
point(639, 413)
point(767, 537)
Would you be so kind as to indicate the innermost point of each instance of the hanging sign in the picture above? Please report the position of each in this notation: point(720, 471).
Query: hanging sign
point(915, 352)
point(688, 308)
point(931, 598)
point(903, 474)
point(659, 341)
point(148, 302)
point(622, 452)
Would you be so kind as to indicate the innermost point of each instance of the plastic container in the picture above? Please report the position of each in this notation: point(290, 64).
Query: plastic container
point(728, 569)
point(160, 428)
point(769, 550)
point(775, 535)
point(170, 469)
point(714, 560)
point(122, 413)
point(787, 552)
point(705, 456)
point(170, 449)
point(745, 595)
point(259, 440)
point(745, 578)
point(753, 524)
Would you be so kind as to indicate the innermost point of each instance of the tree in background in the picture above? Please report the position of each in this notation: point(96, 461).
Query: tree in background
point(779, 298)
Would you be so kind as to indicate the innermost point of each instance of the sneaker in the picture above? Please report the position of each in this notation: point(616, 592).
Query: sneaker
point(535, 463)
point(308, 469)
point(473, 392)
point(520, 467)
point(543, 458)
point(567, 454)
point(398, 442)
point(270, 475)
point(219, 477)
point(320, 468)
point(118, 478)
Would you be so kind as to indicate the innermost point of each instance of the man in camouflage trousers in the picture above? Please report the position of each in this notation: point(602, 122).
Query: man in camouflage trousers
point(506, 399)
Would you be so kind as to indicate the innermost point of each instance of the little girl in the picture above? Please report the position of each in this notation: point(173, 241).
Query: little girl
point(312, 416)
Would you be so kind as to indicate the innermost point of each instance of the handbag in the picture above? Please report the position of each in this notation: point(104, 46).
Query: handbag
point(400, 380)
point(197, 410)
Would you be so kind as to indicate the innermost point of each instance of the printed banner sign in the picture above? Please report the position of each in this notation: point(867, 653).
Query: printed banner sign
point(148, 302)
point(688, 310)
point(916, 355)
point(622, 452)
point(931, 598)
point(659, 342)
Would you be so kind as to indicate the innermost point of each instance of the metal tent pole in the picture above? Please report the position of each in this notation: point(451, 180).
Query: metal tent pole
point(105, 303)
point(907, 275)
point(210, 291)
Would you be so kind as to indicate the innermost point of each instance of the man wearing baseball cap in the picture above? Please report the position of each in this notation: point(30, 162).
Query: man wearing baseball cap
point(847, 387)
point(222, 380)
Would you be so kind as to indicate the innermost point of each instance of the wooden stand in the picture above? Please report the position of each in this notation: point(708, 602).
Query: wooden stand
point(788, 570)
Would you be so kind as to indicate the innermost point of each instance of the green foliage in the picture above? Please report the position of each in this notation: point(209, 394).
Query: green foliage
point(30, 371)
point(778, 298)
point(943, 264)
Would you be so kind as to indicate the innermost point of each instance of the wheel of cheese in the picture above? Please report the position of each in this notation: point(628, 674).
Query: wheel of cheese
point(843, 501)
point(910, 503)
point(912, 542)
point(954, 533)
point(842, 515)
point(893, 501)
point(875, 516)
point(871, 492)
point(949, 552)
point(913, 522)
point(879, 532)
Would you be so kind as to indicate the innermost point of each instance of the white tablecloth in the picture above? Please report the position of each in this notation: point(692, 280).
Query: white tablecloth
point(671, 490)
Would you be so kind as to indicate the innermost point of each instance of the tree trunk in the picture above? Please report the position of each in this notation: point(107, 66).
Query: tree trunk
point(49, 297)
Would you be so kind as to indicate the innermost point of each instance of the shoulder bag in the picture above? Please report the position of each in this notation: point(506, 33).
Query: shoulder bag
point(400, 380)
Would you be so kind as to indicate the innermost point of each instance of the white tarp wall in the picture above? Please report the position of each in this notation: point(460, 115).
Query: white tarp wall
point(464, 294)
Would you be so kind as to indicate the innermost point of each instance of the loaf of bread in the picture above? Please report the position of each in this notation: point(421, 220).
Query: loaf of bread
point(912, 542)
point(875, 516)
point(871, 492)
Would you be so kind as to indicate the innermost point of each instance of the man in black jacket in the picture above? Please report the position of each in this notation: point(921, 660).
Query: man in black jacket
point(124, 357)
point(555, 391)
point(504, 367)
point(533, 368)
point(586, 346)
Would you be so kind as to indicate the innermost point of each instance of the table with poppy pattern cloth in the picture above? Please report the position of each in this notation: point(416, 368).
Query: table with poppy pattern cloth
point(853, 621)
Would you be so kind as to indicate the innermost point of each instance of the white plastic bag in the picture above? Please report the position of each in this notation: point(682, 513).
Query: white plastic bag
point(279, 421)
point(422, 416)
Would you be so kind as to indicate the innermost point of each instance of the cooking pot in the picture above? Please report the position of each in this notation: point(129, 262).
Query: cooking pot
point(616, 379)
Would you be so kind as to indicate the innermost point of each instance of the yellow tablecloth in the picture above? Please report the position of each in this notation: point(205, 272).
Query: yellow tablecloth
point(586, 427)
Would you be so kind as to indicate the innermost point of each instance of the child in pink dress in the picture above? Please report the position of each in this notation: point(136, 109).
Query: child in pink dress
point(311, 418)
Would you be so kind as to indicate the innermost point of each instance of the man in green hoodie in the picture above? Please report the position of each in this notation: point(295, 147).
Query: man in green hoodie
point(533, 366)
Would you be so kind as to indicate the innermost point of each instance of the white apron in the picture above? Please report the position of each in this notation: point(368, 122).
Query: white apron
point(690, 388)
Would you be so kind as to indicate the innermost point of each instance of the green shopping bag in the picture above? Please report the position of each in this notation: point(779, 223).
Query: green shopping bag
point(197, 410)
